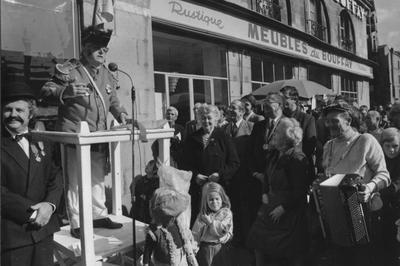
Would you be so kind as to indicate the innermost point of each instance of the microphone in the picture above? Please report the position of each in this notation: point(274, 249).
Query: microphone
point(113, 67)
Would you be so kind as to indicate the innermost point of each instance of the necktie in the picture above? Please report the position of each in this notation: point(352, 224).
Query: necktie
point(234, 130)
point(272, 125)
point(271, 128)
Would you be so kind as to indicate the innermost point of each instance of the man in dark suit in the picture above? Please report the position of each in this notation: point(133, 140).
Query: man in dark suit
point(307, 123)
point(238, 191)
point(31, 184)
point(262, 134)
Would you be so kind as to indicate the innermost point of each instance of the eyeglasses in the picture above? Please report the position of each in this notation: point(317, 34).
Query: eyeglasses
point(93, 48)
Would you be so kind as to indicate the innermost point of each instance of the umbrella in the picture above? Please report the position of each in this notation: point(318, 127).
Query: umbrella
point(306, 88)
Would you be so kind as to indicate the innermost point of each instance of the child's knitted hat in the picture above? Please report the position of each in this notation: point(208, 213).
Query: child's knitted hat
point(167, 203)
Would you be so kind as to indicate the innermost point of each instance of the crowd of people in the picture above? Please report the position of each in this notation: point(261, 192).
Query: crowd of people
point(266, 165)
point(251, 173)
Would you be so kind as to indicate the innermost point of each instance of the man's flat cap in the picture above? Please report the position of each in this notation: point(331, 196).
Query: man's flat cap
point(340, 106)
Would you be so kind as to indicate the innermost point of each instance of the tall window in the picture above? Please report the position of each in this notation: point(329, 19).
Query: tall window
point(188, 70)
point(270, 8)
point(320, 74)
point(347, 40)
point(267, 69)
point(349, 87)
point(317, 23)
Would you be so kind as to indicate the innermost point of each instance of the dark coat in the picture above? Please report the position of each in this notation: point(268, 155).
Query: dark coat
point(241, 138)
point(219, 156)
point(258, 138)
point(26, 182)
point(307, 123)
point(309, 142)
point(286, 179)
point(244, 204)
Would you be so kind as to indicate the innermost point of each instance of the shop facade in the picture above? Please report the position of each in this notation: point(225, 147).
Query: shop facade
point(237, 46)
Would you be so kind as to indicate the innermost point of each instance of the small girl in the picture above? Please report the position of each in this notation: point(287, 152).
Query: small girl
point(169, 242)
point(214, 226)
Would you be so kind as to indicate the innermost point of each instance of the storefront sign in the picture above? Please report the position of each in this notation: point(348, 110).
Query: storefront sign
point(228, 27)
point(353, 8)
point(195, 14)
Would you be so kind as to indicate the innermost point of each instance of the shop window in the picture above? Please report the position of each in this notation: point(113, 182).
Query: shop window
point(173, 53)
point(36, 34)
point(320, 75)
point(349, 88)
point(256, 69)
point(269, 69)
point(187, 71)
point(317, 23)
point(347, 40)
point(221, 95)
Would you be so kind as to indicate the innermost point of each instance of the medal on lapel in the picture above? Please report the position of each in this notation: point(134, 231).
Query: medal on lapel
point(108, 89)
point(38, 151)
point(41, 147)
point(35, 152)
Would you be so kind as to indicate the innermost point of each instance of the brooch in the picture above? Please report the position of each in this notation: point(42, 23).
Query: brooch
point(108, 89)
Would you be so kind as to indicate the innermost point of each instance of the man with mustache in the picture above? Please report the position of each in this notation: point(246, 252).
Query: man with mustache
point(31, 184)
point(85, 90)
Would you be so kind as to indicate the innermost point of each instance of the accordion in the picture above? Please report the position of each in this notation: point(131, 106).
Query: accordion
point(342, 216)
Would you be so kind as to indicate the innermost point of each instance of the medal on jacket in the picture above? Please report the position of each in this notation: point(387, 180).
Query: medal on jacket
point(41, 148)
point(35, 152)
point(108, 89)
point(38, 151)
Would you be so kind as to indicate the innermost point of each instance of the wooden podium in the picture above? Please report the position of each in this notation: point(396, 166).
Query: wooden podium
point(93, 250)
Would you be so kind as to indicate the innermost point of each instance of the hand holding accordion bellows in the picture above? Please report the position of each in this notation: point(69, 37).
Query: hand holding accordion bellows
point(365, 192)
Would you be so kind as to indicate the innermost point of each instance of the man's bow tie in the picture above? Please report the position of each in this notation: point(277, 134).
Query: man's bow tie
point(20, 136)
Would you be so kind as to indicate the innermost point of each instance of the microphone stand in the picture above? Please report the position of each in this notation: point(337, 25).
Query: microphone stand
point(133, 99)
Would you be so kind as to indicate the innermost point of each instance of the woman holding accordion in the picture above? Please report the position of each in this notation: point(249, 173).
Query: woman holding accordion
point(350, 152)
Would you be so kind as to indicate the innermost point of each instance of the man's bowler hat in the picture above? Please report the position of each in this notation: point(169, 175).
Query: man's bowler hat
point(16, 90)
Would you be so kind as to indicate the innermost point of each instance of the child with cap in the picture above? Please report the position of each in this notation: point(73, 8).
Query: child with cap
point(168, 241)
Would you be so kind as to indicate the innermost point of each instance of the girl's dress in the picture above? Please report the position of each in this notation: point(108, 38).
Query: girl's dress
point(213, 238)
